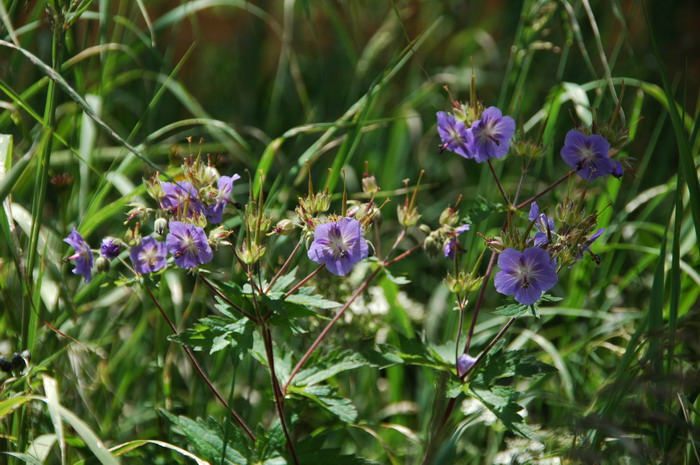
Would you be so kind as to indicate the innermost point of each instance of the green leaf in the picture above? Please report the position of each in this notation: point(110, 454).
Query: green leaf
point(504, 364)
point(398, 280)
point(501, 401)
point(305, 296)
point(311, 450)
point(217, 333)
point(517, 310)
point(337, 362)
point(483, 209)
point(206, 439)
point(415, 352)
point(327, 397)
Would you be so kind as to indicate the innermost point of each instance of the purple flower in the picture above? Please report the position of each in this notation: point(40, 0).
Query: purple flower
point(214, 212)
point(454, 134)
point(188, 244)
point(491, 135)
point(588, 155)
point(181, 198)
point(83, 255)
point(339, 245)
point(452, 243)
point(149, 256)
point(543, 223)
point(464, 363)
point(526, 275)
point(588, 242)
point(109, 248)
point(617, 171)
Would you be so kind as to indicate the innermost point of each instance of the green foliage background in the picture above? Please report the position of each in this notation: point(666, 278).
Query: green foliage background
point(273, 84)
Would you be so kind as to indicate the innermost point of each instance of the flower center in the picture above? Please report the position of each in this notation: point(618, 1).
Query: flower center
point(490, 132)
point(337, 243)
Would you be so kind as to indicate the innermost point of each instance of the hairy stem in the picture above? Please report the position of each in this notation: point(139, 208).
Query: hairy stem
point(284, 267)
point(200, 371)
point(498, 183)
point(552, 186)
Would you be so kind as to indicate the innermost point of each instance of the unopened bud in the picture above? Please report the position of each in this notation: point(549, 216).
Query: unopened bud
point(369, 185)
point(283, 228)
point(408, 216)
point(449, 216)
point(432, 244)
point(161, 226)
point(464, 364)
point(250, 255)
point(218, 236)
point(102, 264)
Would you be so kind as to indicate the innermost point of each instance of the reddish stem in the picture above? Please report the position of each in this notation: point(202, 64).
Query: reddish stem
point(200, 371)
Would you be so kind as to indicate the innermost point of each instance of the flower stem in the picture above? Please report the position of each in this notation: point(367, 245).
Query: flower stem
point(498, 183)
point(303, 281)
point(479, 300)
point(328, 327)
point(279, 398)
point(340, 313)
point(270, 354)
point(200, 371)
point(284, 267)
point(484, 353)
point(535, 197)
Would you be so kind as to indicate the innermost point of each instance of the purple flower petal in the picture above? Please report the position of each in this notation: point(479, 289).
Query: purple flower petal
point(491, 135)
point(464, 363)
point(525, 275)
point(109, 248)
point(188, 244)
point(83, 255)
point(339, 245)
point(149, 256)
point(454, 134)
point(587, 155)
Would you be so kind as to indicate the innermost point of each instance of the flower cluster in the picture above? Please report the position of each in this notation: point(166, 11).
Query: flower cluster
point(185, 208)
point(486, 138)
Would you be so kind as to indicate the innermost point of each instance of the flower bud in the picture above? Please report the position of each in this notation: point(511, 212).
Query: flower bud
point(154, 188)
point(101, 264)
point(407, 215)
point(321, 202)
point(496, 244)
point(464, 364)
point(432, 244)
point(449, 216)
point(250, 255)
point(211, 175)
point(283, 228)
point(138, 210)
point(161, 226)
point(218, 235)
point(425, 228)
point(369, 185)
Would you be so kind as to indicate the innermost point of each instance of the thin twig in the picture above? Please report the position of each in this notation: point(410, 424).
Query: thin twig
point(200, 371)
